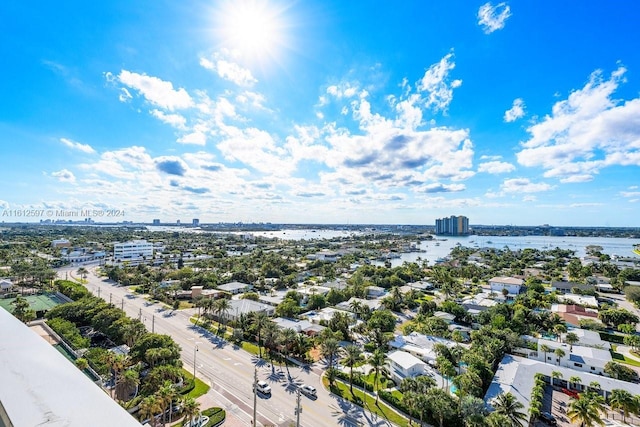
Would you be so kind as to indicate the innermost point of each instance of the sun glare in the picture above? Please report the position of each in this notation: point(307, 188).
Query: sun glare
point(254, 28)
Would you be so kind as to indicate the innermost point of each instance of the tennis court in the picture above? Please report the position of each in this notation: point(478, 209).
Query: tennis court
point(38, 303)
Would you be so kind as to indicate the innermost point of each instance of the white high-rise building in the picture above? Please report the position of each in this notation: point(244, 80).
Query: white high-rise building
point(133, 250)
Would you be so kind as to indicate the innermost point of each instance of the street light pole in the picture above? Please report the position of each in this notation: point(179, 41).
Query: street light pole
point(153, 323)
point(298, 408)
point(195, 351)
point(255, 394)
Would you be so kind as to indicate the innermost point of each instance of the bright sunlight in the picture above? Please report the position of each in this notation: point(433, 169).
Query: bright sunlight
point(254, 28)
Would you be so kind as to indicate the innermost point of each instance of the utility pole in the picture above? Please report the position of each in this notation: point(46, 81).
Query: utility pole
point(140, 315)
point(99, 292)
point(255, 394)
point(298, 408)
point(153, 324)
point(110, 296)
point(122, 304)
point(195, 351)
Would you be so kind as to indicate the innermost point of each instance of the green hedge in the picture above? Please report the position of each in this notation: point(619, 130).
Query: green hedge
point(617, 339)
point(357, 380)
point(69, 332)
point(216, 416)
point(73, 290)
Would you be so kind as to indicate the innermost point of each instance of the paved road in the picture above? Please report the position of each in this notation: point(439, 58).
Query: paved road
point(230, 369)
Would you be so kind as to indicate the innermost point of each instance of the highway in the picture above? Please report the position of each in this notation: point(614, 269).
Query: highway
point(230, 370)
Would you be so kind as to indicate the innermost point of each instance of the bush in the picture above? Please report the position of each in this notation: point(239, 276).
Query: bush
point(216, 416)
point(73, 290)
point(69, 332)
point(357, 380)
point(95, 356)
point(617, 339)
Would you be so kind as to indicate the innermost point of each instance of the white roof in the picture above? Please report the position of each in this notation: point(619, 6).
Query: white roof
point(232, 286)
point(247, 306)
point(404, 359)
point(41, 387)
point(516, 375)
point(506, 280)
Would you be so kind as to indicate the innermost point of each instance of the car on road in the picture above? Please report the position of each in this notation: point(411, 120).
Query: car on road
point(308, 390)
point(263, 387)
point(548, 419)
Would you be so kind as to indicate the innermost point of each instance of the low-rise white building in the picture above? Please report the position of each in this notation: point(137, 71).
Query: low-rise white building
point(132, 250)
point(326, 314)
point(516, 375)
point(403, 365)
point(420, 345)
point(577, 357)
point(234, 287)
point(511, 284)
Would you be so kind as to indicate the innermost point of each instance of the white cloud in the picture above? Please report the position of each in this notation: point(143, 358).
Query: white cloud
point(64, 175)
point(586, 132)
point(125, 95)
point(524, 185)
point(492, 18)
point(156, 91)
point(529, 198)
point(496, 167)
point(516, 111)
point(176, 120)
point(630, 194)
point(434, 84)
point(228, 70)
point(85, 148)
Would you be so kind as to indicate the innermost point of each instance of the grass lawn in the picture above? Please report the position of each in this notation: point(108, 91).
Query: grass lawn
point(623, 359)
point(200, 388)
point(368, 402)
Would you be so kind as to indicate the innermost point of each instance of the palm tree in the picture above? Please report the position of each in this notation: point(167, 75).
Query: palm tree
point(595, 386)
point(446, 369)
point(575, 380)
point(329, 350)
point(129, 382)
point(22, 310)
point(586, 410)
point(149, 407)
point(82, 363)
point(260, 319)
point(166, 396)
point(441, 404)
point(132, 331)
point(559, 329)
point(287, 340)
point(190, 408)
point(571, 338)
point(559, 354)
point(377, 362)
point(116, 363)
point(623, 401)
point(221, 307)
point(545, 349)
point(554, 376)
point(507, 404)
point(82, 272)
point(352, 355)
point(356, 307)
point(495, 419)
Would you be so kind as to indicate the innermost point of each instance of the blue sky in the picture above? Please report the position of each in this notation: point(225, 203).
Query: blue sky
point(515, 112)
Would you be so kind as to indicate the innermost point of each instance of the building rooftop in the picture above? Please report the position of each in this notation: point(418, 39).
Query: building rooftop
point(41, 387)
point(404, 359)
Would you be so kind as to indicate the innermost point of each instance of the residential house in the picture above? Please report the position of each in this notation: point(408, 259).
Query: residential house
point(516, 375)
point(235, 287)
point(513, 285)
point(245, 306)
point(403, 365)
point(583, 300)
point(373, 304)
point(420, 345)
point(578, 357)
point(300, 326)
point(5, 285)
point(375, 291)
point(447, 317)
point(572, 314)
point(567, 287)
point(325, 314)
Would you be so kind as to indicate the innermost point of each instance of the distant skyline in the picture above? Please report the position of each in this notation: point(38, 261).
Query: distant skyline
point(522, 113)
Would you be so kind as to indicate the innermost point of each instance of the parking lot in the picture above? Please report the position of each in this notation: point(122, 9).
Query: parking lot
point(557, 403)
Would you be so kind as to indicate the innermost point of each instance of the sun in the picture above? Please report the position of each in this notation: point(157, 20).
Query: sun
point(254, 28)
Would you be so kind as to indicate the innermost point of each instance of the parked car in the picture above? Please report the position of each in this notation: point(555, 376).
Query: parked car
point(263, 387)
point(308, 390)
point(548, 418)
point(571, 393)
